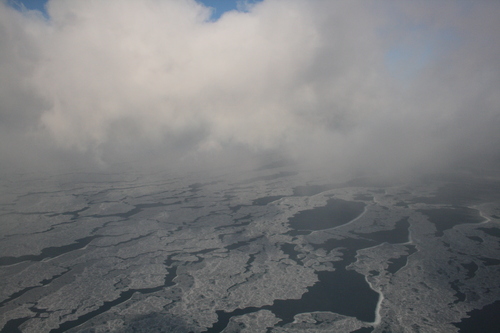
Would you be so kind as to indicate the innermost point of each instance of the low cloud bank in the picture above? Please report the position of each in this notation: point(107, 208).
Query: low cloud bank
point(362, 86)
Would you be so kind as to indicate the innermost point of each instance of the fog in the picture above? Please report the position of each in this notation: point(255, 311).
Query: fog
point(363, 87)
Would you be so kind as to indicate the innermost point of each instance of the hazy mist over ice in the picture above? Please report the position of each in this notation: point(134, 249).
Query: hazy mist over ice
point(375, 86)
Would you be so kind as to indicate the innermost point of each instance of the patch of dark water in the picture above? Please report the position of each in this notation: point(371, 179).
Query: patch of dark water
point(455, 285)
point(363, 197)
point(297, 233)
point(49, 252)
point(471, 269)
point(399, 234)
point(370, 182)
point(231, 235)
point(364, 330)
point(475, 238)
point(239, 244)
point(265, 200)
point(140, 207)
point(236, 208)
point(269, 177)
point(249, 263)
point(489, 261)
point(12, 326)
point(277, 164)
point(396, 264)
point(195, 187)
point(348, 247)
point(169, 261)
point(196, 253)
point(336, 212)
point(74, 214)
point(25, 290)
point(310, 190)
point(289, 249)
point(485, 320)
point(464, 192)
point(246, 217)
point(447, 218)
point(137, 209)
point(491, 231)
point(242, 224)
point(224, 317)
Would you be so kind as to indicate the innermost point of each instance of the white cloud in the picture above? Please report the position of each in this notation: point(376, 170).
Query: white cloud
point(112, 79)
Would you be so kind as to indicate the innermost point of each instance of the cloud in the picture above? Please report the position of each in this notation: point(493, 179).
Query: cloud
point(106, 81)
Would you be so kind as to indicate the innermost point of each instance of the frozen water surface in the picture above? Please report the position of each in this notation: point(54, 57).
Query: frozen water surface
point(268, 250)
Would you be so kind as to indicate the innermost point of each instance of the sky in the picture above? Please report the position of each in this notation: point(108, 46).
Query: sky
point(218, 7)
point(360, 86)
